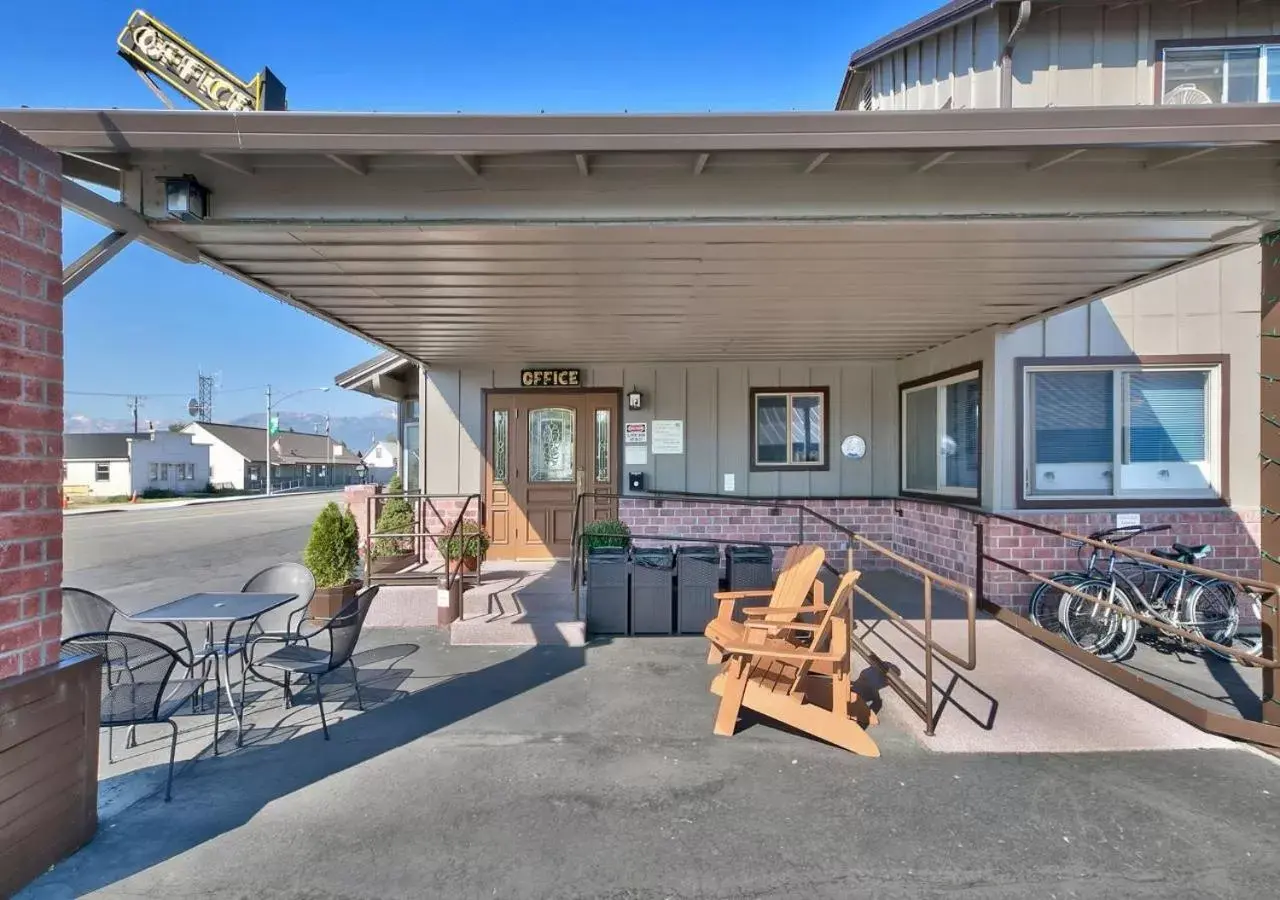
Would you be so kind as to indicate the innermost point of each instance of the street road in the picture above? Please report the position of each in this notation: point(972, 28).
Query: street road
point(143, 557)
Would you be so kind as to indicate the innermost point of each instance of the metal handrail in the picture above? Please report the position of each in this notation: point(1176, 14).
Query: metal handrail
point(419, 537)
point(921, 705)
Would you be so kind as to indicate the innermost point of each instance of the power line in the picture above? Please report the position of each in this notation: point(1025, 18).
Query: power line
point(128, 394)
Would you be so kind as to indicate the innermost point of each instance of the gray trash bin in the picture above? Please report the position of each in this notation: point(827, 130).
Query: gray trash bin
point(652, 570)
point(697, 580)
point(748, 567)
point(607, 590)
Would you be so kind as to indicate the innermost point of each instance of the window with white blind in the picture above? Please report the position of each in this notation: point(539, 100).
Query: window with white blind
point(1121, 432)
point(942, 435)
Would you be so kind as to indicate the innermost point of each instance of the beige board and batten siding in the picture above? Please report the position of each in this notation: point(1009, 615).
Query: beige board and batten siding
point(714, 403)
point(1210, 308)
point(1070, 55)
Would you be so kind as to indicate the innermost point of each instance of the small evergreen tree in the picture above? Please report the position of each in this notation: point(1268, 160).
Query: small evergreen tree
point(333, 551)
point(396, 518)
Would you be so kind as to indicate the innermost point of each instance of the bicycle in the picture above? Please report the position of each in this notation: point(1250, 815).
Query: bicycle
point(1045, 602)
point(1203, 605)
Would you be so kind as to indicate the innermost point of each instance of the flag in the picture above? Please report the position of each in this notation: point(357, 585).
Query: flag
point(273, 427)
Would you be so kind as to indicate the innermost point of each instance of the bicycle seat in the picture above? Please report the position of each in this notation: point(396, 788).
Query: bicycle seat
point(1198, 551)
point(1165, 554)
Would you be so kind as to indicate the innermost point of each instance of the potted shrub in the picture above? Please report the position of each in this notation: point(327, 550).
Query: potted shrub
point(469, 544)
point(393, 554)
point(606, 533)
point(333, 556)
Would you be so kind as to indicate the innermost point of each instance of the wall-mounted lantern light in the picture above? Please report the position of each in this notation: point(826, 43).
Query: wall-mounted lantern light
point(186, 199)
point(634, 399)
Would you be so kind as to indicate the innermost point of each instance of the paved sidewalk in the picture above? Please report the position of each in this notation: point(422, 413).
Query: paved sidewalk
point(561, 772)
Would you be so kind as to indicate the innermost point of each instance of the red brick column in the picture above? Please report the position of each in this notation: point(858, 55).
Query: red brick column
point(30, 404)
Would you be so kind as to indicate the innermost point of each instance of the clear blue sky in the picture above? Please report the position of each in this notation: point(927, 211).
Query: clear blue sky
point(144, 324)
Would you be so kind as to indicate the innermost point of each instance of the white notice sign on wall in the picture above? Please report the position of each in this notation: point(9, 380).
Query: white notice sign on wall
point(668, 436)
point(636, 456)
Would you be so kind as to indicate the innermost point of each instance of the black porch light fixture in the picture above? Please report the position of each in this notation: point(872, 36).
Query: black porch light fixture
point(186, 199)
point(634, 399)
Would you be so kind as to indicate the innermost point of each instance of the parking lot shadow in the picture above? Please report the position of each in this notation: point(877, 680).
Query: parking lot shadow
point(214, 795)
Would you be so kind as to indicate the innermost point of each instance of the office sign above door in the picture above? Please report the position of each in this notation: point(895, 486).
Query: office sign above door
point(153, 48)
point(551, 378)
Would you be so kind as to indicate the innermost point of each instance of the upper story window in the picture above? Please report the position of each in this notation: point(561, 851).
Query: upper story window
point(1248, 72)
point(788, 428)
point(1122, 432)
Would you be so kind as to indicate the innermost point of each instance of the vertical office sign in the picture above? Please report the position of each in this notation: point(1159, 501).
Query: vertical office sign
point(153, 48)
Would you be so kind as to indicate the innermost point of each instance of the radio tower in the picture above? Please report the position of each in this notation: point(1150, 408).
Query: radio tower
point(204, 397)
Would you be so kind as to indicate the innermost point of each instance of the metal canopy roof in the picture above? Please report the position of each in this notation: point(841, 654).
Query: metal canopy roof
point(700, 237)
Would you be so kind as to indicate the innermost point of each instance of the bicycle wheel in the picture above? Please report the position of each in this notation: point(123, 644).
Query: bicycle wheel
point(1045, 600)
point(1211, 611)
point(1103, 631)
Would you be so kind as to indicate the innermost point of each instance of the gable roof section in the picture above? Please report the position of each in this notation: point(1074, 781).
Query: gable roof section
point(293, 446)
point(943, 17)
point(96, 446)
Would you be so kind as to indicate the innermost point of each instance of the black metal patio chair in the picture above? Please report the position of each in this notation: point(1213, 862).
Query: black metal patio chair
point(282, 578)
point(84, 612)
point(297, 657)
point(138, 683)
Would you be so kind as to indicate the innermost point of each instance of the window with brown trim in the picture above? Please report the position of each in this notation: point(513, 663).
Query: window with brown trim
point(942, 434)
point(1122, 431)
point(789, 429)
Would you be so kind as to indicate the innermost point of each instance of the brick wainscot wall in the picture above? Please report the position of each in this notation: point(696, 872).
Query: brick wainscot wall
point(944, 539)
point(48, 707)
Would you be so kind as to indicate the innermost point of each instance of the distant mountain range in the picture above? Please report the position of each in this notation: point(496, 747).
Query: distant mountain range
point(357, 432)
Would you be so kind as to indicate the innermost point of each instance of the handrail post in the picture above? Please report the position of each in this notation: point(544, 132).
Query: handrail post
point(928, 656)
point(979, 558)
point(1270, 624)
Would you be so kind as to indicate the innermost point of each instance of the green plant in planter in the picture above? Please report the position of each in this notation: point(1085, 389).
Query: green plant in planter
point(333, 551)
point(396, 518)
point(470, 542)
point(606, 533)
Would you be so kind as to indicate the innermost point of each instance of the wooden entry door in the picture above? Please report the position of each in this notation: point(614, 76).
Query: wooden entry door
point(542, 449)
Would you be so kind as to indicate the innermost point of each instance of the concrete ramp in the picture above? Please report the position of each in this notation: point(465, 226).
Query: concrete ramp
point(520, 604)
point(1022, 698)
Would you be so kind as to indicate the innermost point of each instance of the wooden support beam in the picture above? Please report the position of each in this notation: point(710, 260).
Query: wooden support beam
point(815, 162)
point(471, 164)
point(93, 259)
point(227, 163)
point(1048, 161)
point(1164, 160)
point(937, 160)
point(584, 164)
point(701, 163)
point(356, 165)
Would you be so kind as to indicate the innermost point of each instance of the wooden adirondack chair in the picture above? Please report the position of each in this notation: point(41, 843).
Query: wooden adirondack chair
point(807, 688)
point(796, 579)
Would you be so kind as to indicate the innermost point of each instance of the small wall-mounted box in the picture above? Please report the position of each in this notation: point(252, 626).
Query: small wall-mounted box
point(635, 481)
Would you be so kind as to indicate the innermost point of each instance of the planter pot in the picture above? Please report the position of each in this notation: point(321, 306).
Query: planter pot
point(327, 602)
point(469, 563)
point(393, 563)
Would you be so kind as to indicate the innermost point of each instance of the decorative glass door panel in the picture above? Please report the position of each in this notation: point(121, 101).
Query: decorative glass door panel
point(544, 449)
point(551, 445)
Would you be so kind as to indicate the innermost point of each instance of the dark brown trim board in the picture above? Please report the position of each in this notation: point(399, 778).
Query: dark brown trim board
point(1022, 501)
point(754, 466)
point(48, 767)
point(974, 368)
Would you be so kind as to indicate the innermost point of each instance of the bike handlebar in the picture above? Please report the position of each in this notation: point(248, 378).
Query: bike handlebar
point(1126, 533)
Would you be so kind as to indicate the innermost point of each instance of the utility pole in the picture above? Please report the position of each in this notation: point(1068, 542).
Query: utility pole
point(134, 402)
point(268, 440)
point(328, 452)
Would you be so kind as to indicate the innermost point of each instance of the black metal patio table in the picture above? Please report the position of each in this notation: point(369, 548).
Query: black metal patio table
point(217, 607)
